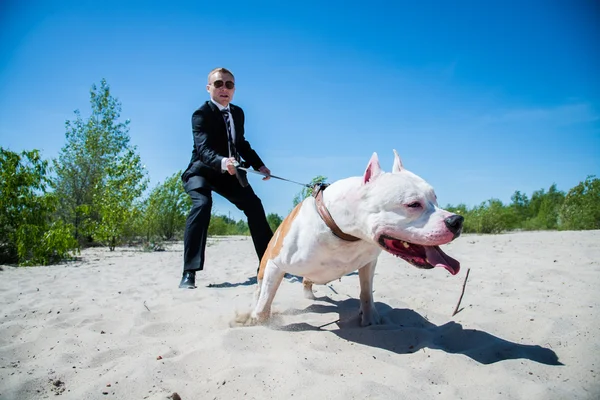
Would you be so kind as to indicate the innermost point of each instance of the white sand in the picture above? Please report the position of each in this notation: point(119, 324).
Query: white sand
point(532, 301)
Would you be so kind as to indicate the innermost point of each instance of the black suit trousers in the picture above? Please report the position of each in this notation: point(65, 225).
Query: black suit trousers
point(196, 228)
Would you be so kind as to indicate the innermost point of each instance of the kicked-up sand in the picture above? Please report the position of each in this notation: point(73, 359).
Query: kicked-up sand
point(114, 325)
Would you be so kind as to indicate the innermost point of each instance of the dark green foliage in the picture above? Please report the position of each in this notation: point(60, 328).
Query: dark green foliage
point(581, 207)
point(115, 198)
point(162, 215)
point(28, 235)
point(274, 221)
point(520, 205)
point(544, 209)
point(221, 225)
point(98, 173)
point(542, 212)
point(493, 217)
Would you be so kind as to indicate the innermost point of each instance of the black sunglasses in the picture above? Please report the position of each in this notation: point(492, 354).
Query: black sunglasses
point(219, 83)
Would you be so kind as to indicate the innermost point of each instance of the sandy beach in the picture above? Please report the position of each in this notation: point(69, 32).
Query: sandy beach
point(115, 325)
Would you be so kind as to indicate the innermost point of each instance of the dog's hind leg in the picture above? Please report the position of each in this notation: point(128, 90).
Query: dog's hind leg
point(367, 306)
point(269, 284)
point(307, 289)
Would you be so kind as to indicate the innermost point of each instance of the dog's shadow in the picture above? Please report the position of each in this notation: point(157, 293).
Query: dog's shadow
point(404, 331)
point(252, 281)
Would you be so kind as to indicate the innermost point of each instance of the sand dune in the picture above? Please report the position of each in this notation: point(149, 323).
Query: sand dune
point(115, 325)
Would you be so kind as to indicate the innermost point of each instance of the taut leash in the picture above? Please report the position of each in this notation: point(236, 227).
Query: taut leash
point(317, 194)
point(272, 176)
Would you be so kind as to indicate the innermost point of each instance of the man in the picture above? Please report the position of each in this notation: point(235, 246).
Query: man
point(218, 130)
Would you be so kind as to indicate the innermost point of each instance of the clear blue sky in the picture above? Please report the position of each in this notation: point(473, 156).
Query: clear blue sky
point(479, 98)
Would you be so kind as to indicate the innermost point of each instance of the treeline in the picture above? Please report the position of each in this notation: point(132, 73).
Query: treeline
point(96, 193)
point(578, 209)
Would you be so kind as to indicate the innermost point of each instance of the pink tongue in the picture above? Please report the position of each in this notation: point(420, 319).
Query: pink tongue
point(437, 258)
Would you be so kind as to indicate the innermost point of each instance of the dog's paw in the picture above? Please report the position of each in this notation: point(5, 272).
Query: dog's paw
point(369, 318)
point(308, 294)
point(246, 319)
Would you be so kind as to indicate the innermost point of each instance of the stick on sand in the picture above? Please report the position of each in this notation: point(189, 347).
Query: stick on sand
point(462, 293)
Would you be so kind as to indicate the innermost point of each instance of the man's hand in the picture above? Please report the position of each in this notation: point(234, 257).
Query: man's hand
point(230, 164)
point(266, 171)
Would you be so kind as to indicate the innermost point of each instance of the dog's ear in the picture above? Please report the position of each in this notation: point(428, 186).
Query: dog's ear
point(397, 163)
point(373, 169)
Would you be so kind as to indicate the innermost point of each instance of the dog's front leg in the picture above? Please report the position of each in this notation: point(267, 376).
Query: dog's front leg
point(367, 306)
point(307, 285)
point(270, 283)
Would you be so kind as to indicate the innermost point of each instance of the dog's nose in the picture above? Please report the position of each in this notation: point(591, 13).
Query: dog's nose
point(455, 224)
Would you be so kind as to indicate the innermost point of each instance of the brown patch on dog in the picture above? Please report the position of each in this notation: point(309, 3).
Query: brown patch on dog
point(276, 242)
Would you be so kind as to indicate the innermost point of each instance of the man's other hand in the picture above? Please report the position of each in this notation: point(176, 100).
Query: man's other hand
point(266, 171)
point(230, 164)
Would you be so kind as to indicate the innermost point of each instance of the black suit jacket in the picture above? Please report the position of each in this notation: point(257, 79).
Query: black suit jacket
point(211, 146)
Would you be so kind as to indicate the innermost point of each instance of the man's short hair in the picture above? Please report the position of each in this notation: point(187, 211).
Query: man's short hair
point(221, 70)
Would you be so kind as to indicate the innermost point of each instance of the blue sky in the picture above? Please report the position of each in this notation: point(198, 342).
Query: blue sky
point(479, 98)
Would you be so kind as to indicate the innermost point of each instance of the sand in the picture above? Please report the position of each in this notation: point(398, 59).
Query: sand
point(115, 325)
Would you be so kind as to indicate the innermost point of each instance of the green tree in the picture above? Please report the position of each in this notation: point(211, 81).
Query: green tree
point(536, 202)
point(241, 228)
point(493, 217)
point(581, 207)
point(92, 146)
point(223, 225)
point(124, 183)
point(544, 209)
point(308, 191)
point(28, 235)
point(274, 221)
point(164, 211)
point(520, 205)
point(218, 226)
point(550, 207)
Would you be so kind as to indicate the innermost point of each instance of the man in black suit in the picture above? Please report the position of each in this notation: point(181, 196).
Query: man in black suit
point(218, 130)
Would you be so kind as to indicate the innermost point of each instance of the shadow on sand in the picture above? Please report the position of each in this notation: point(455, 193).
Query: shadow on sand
point(405, 331)
point(249, 282)
point(252, 281)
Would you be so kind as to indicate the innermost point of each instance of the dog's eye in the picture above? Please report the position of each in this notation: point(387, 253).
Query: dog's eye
point(414, 204)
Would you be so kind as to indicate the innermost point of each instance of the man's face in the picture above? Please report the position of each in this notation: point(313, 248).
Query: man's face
point(221, 87)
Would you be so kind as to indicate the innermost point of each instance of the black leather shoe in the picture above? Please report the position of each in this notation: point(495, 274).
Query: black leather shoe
point(188, 280)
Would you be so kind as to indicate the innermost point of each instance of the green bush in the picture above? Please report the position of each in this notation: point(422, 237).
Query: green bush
point(581, 207)
point(274, 221)
point(28, 234)
point(39, 245)
point(493, 217)
point(163, 213)
point(221, 225)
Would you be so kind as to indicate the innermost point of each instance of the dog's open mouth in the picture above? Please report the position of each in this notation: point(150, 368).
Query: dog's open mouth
point(425, 257)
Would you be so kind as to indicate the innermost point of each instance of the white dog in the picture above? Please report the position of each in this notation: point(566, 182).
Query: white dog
point(345, 227)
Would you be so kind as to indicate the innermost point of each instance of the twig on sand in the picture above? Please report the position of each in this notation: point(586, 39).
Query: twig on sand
point(329, 323)
point(150, 311)
point(462, 293)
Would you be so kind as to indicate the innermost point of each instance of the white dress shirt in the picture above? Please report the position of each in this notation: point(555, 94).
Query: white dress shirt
point(221, 108)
